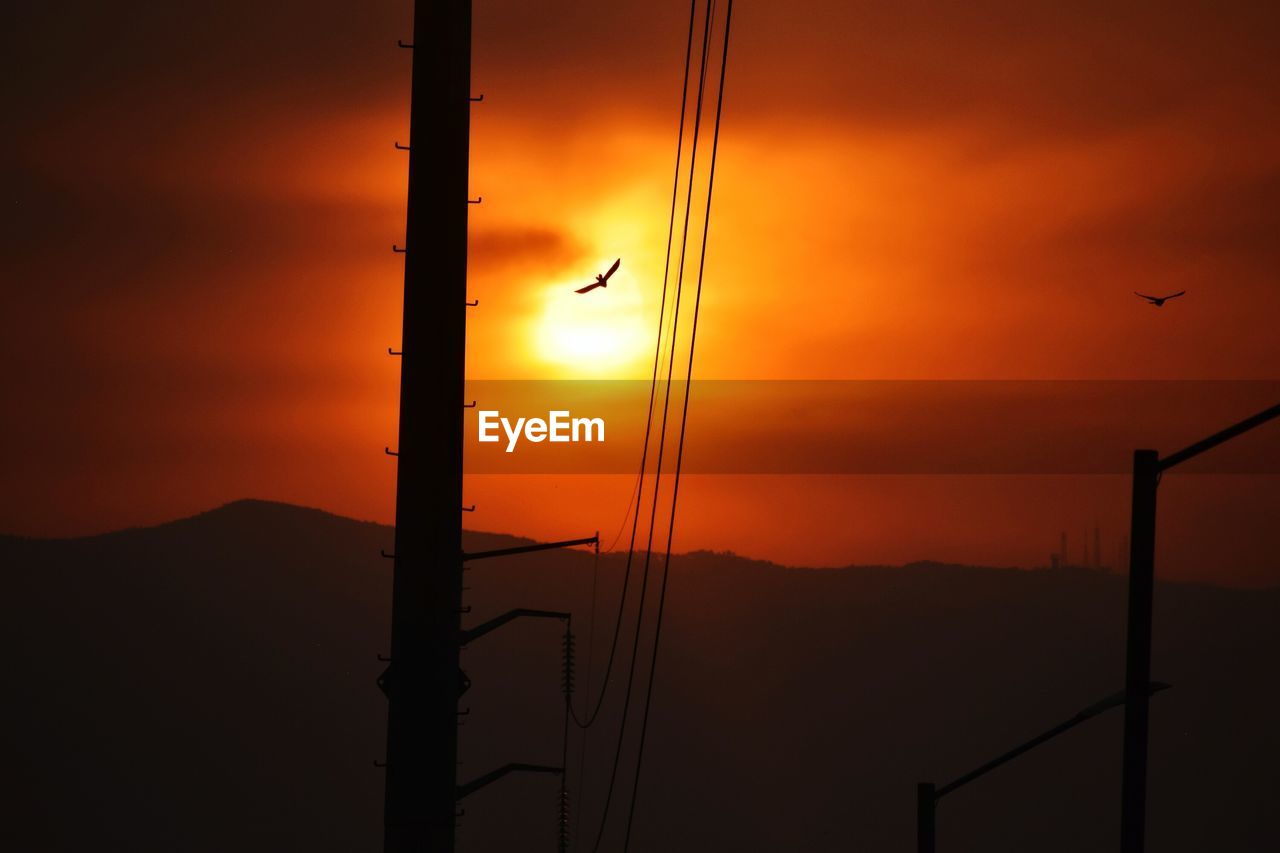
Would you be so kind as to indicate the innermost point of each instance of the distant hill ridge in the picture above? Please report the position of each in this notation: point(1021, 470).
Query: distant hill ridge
point(257, 512)
point(207, 684)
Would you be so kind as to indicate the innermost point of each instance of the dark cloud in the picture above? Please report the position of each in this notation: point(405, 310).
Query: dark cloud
point(1231, 222)
point(499, 248)
point(1043, 67)
point(1060, 67)
point(74, 243)
point(192, 54)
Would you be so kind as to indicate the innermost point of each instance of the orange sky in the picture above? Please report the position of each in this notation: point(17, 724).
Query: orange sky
point(199, 286)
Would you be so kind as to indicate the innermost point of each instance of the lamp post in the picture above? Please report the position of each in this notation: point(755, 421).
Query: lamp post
point(1147, 468)
point(927, 794)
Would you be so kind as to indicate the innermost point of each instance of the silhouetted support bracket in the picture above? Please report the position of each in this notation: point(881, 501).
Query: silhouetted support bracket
point(476, 200)
point(473, 303)
point(402, 44)
point(476, 100)
point(391, 351)
point(470, 405)
point(396, 248)
point(471, 508)
point(1115, 700)
point(390, 452)
point(494, 775)
point(400, 147)
point(497, 622)
point(525, 549)
point(1219, 437)
point(928, 795)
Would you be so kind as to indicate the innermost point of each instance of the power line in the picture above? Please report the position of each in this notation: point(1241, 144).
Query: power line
point(592, 712)
point(626, 515)
point(684, 418)
point(662, 433)
point(590, 717)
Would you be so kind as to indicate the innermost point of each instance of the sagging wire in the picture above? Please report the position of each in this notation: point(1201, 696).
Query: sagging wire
point(594, 709)
point(684, 418)
point(635, 652)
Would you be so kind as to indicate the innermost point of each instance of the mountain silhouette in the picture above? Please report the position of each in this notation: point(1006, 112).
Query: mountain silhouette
point(208, 684)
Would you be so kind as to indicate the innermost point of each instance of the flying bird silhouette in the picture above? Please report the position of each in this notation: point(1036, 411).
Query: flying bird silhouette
point(601, 280)
point(1159, 301)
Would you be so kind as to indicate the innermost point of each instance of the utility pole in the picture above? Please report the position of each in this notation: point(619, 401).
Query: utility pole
point(1146, 476)
point(1147, 468)
point(423, 679)
point(926, 817)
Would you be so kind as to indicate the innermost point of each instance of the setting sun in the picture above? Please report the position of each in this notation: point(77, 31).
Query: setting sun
point(602, 333)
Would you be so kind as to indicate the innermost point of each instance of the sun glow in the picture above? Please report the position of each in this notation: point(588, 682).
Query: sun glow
point(601, 333)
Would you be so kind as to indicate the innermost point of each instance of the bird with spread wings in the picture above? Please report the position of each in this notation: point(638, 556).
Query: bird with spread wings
point(601, 280)
point(1159, 301)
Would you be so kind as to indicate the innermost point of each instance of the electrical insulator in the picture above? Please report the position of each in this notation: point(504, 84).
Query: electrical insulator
point(564, 820)
point(566, 683)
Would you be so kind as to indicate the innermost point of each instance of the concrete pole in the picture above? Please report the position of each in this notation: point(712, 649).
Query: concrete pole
point(423, 680)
